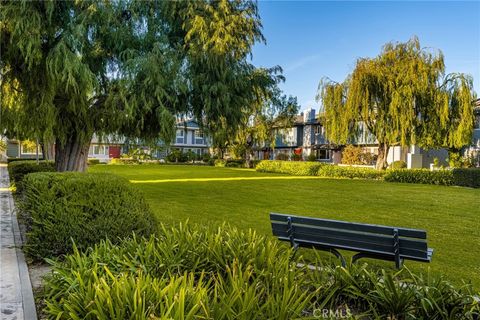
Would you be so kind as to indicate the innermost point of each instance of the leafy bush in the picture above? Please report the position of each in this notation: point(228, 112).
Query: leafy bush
point(356, 155)
point(177, 155)
point(93, 161)
point(224, 273)
point(124, 161)
point(220, 162)
point(312, 157)
point(235, 163)
point(399, 164)
point(334, 171)
point(468, 177)
point(206, 157)
point(19, 169)
point(289, 167)
point(85, 207)
point(282, 156)
point(425, 176)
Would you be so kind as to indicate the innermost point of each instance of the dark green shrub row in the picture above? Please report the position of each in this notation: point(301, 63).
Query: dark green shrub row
point(334, 171)
point(85, 207)
point(10, 160)
point(19, 169)
point(466, 177)
point(205, 273)
point(230, 163)
point(289, 167)
point(425, 176)
point(93, 161)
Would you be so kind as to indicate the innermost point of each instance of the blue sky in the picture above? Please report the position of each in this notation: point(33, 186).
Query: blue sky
point(314, 39)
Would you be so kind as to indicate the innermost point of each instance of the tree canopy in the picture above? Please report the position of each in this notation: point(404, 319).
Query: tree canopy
point(70, 69)
point(402, 97)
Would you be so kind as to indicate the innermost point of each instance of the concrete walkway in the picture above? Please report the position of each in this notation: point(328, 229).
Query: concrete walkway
point(16, 297)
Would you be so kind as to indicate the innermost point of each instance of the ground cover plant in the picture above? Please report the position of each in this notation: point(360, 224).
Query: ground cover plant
point(243, 197)
point(192, 272)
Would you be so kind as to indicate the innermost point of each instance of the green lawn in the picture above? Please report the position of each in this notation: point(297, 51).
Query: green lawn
point(242, 197)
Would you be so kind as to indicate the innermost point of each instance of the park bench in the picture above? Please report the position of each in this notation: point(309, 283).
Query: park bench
point(368, 240)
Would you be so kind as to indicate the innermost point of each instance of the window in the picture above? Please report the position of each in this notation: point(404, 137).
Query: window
point(323, 154)
point(180, 134)
point(28, 147)
point(98, 150)
point(198, 134)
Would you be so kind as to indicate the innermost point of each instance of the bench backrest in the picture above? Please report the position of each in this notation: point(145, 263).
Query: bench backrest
point(375, 239)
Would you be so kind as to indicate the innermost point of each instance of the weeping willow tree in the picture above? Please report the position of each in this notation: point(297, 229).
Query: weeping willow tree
point(401, 97)
point(71, 69)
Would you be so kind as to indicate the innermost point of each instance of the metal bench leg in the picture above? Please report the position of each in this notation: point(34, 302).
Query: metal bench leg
point(359, 256)
point(339, 256)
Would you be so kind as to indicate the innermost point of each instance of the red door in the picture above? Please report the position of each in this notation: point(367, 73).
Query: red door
point(114, 152)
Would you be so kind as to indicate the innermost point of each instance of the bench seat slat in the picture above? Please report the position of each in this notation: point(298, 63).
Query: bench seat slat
point(282, 229)
point(405, 254)
point(335, 224)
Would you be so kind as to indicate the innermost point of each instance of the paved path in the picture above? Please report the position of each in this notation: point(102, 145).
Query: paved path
point(16, 297)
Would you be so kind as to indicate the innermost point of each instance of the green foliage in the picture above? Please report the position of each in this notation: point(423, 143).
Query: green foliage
point(400, 164)
point(333, 171)
point(466, 177)
point(356, 155)
point(296, 157)
point(176, 155)
point(17, 170)
point(311, 157)
point(169, 58)
point(93, 161)
point(230, 163)
point(289, 167)
point(425, 176)
point(400, 97)
point(84, 207)
point(224, 273)
point(282, 157)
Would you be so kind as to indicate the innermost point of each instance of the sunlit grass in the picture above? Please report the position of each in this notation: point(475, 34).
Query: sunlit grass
point(208, 195)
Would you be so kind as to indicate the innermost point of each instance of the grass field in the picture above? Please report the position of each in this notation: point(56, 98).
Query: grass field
point(242, 197)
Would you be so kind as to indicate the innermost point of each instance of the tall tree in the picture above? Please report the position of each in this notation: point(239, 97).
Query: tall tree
point(402, 97)
point(123, 67)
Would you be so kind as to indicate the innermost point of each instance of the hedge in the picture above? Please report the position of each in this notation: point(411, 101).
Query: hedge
point(83, 207)
point(466, 177)
point(289, 167)
point(124, 161)
point(469, 177)
point(226, 273)
point(425, 176)
point(334, 171)
point(19, 169)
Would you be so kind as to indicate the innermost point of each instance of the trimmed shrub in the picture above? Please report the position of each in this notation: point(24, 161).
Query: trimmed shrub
point(399, 164)
point(425, 176)
point(224, 273)
point(289, 167)
point(467, 177)
point(17, 170)
point(85, 207)
point(334, 171)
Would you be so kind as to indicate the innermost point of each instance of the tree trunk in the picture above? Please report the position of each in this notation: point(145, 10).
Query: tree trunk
point(72, 155)
point(382, 156)
point(48, 150)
